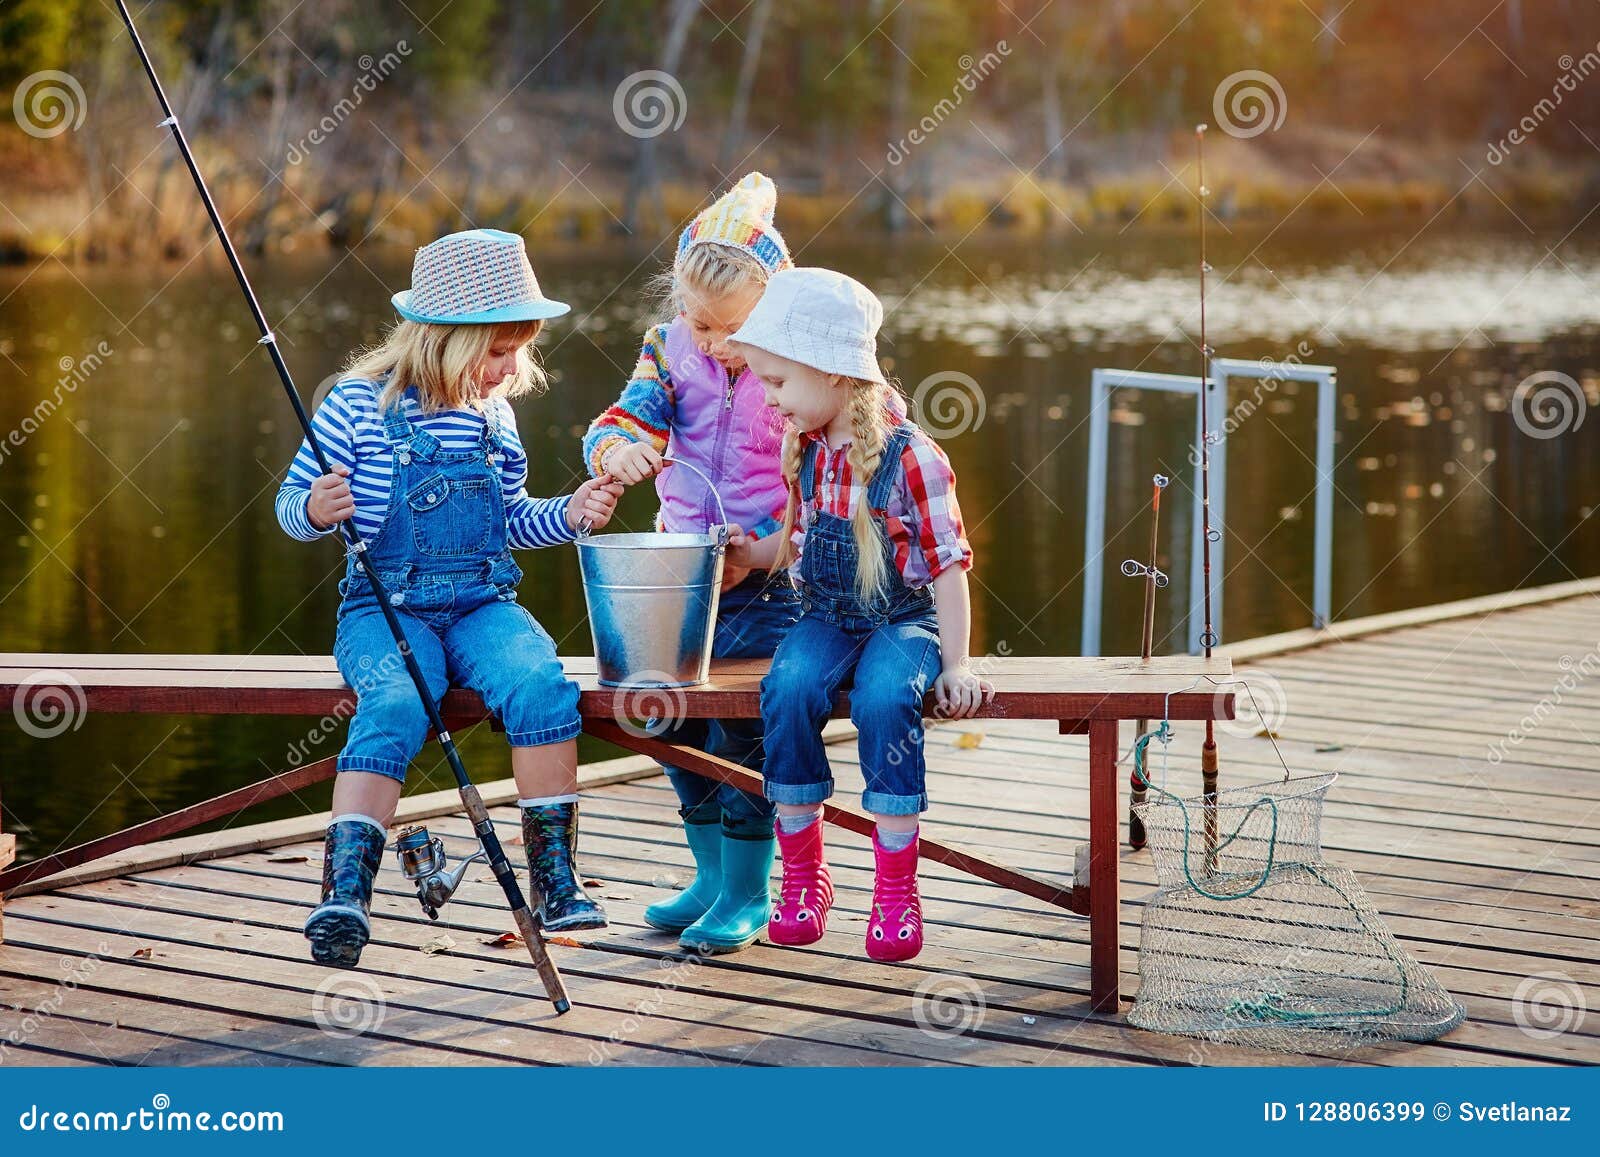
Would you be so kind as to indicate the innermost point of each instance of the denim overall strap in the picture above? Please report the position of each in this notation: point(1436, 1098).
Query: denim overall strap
point(808, 468)
point(882, 485)
point(405, 439)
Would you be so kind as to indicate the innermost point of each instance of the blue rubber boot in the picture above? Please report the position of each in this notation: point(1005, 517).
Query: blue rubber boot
point(739, 917)
point(338, 928)
point(676, 914)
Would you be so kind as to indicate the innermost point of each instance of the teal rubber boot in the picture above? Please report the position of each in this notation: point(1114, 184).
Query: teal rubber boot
point(676, 914)
point(339, 927)
point(739, 917)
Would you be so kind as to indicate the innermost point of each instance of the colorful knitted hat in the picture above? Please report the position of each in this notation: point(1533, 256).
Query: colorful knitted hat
point(474, 278)
point(742, 218)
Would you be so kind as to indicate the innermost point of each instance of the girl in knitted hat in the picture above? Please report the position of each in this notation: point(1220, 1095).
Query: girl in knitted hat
point(873, 536)
point(427, 461)
point(692, 398)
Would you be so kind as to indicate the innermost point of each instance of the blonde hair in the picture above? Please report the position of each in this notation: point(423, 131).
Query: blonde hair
point(708, 269)
point(441, 360)
point(869, 429)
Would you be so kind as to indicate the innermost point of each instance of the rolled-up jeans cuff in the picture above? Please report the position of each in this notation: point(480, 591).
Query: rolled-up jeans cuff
point(545, 735)
point(796, 793)
point(882, 804)
point(392, 768)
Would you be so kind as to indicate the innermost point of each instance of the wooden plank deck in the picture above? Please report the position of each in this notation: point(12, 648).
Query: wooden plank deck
point(1488, 872)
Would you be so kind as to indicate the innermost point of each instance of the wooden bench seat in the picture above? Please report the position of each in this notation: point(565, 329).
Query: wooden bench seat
point(1082, 695)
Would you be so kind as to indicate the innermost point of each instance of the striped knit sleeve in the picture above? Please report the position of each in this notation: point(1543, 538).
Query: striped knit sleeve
point(644, 412)
point(530, 522)
point(335, 427)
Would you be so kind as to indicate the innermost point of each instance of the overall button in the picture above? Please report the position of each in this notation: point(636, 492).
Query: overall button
point(397, 598)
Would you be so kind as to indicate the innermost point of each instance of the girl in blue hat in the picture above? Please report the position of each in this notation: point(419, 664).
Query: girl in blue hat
point(427, 462)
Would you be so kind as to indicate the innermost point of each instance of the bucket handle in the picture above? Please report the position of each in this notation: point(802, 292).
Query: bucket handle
point(585, 528)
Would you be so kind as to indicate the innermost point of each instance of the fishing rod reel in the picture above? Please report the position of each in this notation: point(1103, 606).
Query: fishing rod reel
point(423, 862)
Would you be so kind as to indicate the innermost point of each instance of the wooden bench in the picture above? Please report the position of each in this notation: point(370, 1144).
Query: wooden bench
point(1084, 696)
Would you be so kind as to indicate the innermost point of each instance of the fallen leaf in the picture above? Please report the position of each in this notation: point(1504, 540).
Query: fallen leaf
point(286, 859)
point(1329, 747)
point(514, 842)
point(616, 895)
point(141, 954)
point(438, 944)
point(505, 940)
point(564, 941)
point(1266, 733)
point(594, 883)
point(1030, 1020)
point(968, 740)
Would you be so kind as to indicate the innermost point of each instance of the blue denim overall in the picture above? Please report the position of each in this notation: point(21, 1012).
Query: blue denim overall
point(886, 650)
point(442, 553)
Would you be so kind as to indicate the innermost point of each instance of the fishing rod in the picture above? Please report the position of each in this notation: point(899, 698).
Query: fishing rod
point(1153, 577)
point(357, 548)
point(1208, 636)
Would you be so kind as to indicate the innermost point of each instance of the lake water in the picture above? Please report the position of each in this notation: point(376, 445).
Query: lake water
point(138, 517)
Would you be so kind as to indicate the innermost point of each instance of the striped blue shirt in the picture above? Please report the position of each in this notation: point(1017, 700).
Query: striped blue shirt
point(351, 432)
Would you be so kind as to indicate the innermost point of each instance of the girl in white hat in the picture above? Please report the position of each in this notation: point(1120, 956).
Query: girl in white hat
point(872, 535)
point(427, 462)
point(693, 398)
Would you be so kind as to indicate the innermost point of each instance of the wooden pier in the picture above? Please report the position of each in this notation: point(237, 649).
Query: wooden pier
point(1476, 835)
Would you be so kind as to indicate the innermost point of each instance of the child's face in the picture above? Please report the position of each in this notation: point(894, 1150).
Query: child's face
point(713, 319)
point(807, 397)
point(498, 364)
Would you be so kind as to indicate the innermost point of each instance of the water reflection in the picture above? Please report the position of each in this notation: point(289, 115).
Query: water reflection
point(137, 508)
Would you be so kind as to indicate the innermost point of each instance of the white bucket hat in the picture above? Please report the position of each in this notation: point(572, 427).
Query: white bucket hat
point(820, 319)
point(477, 277)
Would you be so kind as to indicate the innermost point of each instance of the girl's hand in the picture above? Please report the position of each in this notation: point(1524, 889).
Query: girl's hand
point(961, 693)
point(632, 463)
point(331, 501)
point(736, 563)
point(595, 500)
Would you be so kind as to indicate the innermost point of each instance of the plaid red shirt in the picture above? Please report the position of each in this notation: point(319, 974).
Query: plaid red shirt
point(923, 520)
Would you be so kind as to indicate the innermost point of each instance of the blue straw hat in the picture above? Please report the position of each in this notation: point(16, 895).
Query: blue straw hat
point(477, 277)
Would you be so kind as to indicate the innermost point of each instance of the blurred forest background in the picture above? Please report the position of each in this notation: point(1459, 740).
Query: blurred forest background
point(338, 122)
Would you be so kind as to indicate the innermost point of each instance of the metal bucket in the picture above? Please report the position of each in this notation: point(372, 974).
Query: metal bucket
point(653, 601)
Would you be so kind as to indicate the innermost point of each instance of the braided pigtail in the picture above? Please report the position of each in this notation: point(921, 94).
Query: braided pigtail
point(790, 465)
point(865, 457)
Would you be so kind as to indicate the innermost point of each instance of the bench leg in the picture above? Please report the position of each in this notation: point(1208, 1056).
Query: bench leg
point(1105, 976)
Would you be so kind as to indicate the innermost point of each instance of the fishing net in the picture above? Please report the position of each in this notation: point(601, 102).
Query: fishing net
point(1251, 939)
